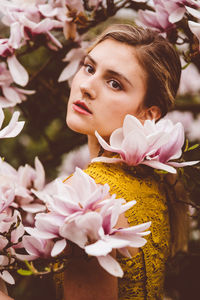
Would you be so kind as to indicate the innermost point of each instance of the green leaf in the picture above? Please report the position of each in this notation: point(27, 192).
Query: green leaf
point(193, 147)
point(160, 171)
point(24, 272)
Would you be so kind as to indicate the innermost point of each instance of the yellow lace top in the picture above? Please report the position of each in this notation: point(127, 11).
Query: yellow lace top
point(144, 273)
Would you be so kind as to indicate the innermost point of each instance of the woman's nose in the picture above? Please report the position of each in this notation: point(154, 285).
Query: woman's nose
point(88, 89)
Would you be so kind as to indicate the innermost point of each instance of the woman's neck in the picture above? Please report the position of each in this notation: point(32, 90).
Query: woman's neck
point(93, 146)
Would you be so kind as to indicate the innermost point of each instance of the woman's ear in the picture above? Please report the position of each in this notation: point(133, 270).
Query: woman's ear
point(150, 113)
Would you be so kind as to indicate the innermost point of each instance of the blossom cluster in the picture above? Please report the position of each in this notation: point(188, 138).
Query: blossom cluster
point(11, 229)
point(166, 14)
point(27, 24)
point(86, 216)
point(155, 144)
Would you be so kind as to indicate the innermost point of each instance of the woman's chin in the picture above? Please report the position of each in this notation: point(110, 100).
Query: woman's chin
point(75, 126)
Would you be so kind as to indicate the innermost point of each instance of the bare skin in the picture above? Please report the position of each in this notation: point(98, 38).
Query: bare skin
point(4, 297)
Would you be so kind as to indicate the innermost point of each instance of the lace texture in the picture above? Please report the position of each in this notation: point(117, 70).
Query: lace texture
point(144, 273)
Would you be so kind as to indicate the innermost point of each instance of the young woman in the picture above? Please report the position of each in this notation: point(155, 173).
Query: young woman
point(128, 70)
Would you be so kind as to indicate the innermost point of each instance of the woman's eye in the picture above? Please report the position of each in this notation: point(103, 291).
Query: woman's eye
point(115, 84)
point(89, 68)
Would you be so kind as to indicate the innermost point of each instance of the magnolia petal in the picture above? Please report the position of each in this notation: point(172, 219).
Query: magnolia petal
point(11, 94)
point(108, 147)
point(148, 18)
point(116, 138)
point(18, 72)
point(26, 92)
point(183, 164)
point(47, 10)
point(107, 160)
point(109, 264)
point(131, 123)
point(31, 245)
point(40, 175)
point(33, 207)
point(194, 12)
point(136, 146)
point(26, 257)
point(15, 35)
point(195, 28)
point(90, 223)
point(54, 39)
point(127, 205)
point(70, 232)
point(5, 103)
point(177, 15)
point(46, 25)
point(138, 242)
point(158, 165)
point(69, 70)
point(124, 252)
point(13, 128)
point(5, 275)
point(58, 247)
point(174, 145)
point(98, 249)
point(129, 232)
point(40, 234)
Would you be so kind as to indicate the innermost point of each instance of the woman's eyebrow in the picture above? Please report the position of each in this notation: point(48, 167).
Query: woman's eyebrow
point(91, 59)
point(111, 72)
point(120, 75)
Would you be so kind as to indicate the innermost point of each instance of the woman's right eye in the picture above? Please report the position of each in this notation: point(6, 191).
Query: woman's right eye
point(88, 68)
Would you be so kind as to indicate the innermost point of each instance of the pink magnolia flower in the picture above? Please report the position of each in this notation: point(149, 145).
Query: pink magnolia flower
point(32, 28)
point(83, 212)
point(30, 22)
point(22, 181)
point(74, 57)
point(68, 200)
point(13, 128)
point(95, 233)
point(158, 19)
point(6, 276)
point(11, 94)
point(37, 247)
point(195, 28)
point(6, 197)
point(168, 12)
point(14, 234)
point(152, 144)
point(17, 71)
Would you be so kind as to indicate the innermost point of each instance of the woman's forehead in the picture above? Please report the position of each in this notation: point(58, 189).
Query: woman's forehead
point(117, 56)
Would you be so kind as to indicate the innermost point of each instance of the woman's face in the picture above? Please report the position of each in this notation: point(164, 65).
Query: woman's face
point(109, 85)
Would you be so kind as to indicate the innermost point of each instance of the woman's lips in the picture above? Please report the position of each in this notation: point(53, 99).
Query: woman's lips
point(81, 107)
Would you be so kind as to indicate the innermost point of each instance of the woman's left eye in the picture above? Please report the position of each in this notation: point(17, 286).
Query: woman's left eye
point(115, 84)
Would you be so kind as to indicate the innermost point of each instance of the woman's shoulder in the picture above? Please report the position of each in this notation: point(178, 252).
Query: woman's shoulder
point(134, 184)
point(127, 182)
